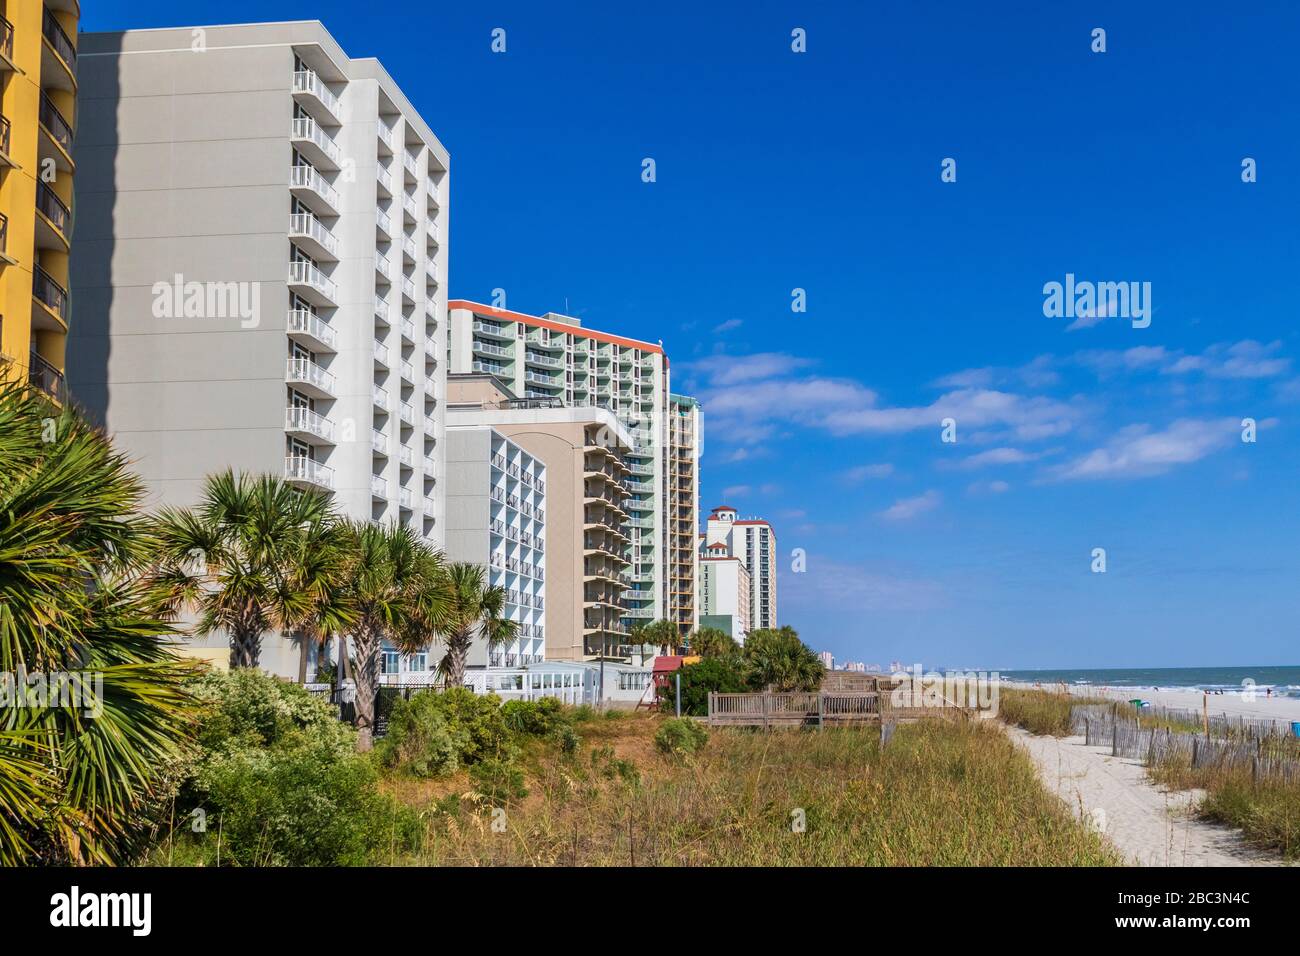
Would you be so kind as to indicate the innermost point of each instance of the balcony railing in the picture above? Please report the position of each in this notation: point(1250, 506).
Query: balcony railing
point(306, 128)
point(6, 134)
point(306, 177)
point(308, 372)
point(412, 167)
point(302, 322)
point(408, 330)
point(51, 30)
point(305, 224)
point(406, 413)
point(52, 207)
point(306, 273)
point(300, 468)
point(306, 81)
point(385, 134)
point(6, 38)
point(404, 498)
point(47, 378)
point(378, 486)
point(407, 371)
point(4, 237)
point(378, 441)
point(410, 208)
point(383, 223)
point(49, 292)
point(408, 288)
point(383, 266)
point(53, 121)
point(385, 180)
point(381, 309)
point(379, 395)
point(309, 422)
point(381, 354)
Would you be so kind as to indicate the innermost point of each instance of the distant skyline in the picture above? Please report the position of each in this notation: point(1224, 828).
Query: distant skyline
point(821, 171)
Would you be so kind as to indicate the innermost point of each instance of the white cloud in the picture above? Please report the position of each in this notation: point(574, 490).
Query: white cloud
point(906, 508)
point(728, 326)
point(988, 488)
point(998, 456)
point(839, 585)
point(864, 472)
point(1138, 451)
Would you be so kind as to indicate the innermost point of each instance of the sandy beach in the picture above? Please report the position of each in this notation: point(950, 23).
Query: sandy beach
point(1150, 826)
point(1232, 703)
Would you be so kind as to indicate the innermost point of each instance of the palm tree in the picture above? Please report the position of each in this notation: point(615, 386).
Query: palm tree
point(776, 658)
point(662, 633)
point(237, 558)
point(83, 775)
point(714, 642)
point(472, 609)
point(321, 559)
point(394, 586)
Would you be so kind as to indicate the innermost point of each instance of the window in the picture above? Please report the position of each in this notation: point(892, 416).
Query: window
point(388, 664)
point(418, 662)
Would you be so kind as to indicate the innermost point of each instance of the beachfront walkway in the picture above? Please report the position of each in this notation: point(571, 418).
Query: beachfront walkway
point(1149, 826)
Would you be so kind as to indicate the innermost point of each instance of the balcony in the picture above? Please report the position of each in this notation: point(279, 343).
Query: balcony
point(312, 284)
point(310, 329)
point(312, 237)
point(487, 348)
point(383, 267)
point(430, 344)
point(57, 56)
point(407, 371)
point(379, 395)
point(378, 487)
point(430, 506)
point(384, 181)
point(405, 456)
point(309, 186)
point(54, 220)
point(381, 355)
point(408, 249)
point(408, 330)
point(310, 90)
point(6, 46)
point(430, 272)
point(312, 142)
point(536, 358)
point(378, 442)
point(431, 192)
point(306, 424)
point(305, 472)
point(430, 389)
point(406, 413)
point(48, 297)
point(410, 209)
point(58, 131)
point(429, 468)
point(408, 289)
point(404, 498)
point(496, 331)
point(6, 141)
point(385, 134)
point(488, 368)
point(412, 167)
point(309, 377)
point(47, 378)
point(381, 310)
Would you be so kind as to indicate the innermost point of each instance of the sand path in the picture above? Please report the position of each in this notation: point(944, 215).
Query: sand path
point(1149, 826)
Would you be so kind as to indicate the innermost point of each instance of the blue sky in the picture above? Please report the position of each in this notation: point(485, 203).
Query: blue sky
point(821, 171)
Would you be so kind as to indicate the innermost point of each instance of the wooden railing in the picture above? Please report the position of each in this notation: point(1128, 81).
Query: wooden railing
point(792, 709)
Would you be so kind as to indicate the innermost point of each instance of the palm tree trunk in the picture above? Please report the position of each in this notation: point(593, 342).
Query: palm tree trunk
point(245, 648)
point(457, 651)
point(367, 678)
point(303, 654)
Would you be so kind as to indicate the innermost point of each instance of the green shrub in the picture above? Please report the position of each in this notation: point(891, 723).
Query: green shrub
point(718, 675)
point(247, 708)
point(536, 718)
point(498, 780)
point(679, 736)
point(476, 722)
point(309, 805)
point(568, 739)
point(279, 782)
point(420, 739)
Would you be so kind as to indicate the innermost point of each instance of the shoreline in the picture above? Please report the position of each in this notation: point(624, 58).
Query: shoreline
point(1233, 703)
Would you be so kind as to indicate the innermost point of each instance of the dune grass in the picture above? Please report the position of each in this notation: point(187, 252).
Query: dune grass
point(940, 794)
point(1039, 711)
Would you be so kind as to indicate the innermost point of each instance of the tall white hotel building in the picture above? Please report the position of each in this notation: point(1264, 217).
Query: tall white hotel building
point(752, 542)
point(553, 359)
point(261, 268)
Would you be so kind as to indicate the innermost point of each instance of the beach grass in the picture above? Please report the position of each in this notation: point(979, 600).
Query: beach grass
point(1039, 711)
point(941, 793)
point(1267, 810)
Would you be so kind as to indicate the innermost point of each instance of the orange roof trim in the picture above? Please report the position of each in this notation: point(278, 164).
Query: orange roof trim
point(486, 310)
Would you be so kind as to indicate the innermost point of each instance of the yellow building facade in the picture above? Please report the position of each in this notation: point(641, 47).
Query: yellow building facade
point(38, 67)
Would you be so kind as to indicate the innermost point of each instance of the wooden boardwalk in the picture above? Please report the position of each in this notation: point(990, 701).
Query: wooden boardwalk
point(818, 709)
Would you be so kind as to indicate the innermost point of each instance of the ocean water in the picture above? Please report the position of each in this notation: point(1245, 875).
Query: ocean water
point(1283, 680)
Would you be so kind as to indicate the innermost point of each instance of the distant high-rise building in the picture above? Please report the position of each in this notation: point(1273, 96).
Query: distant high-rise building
point(827, 659)
point(723, 595)
point(753, 541)
point(552, 359)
